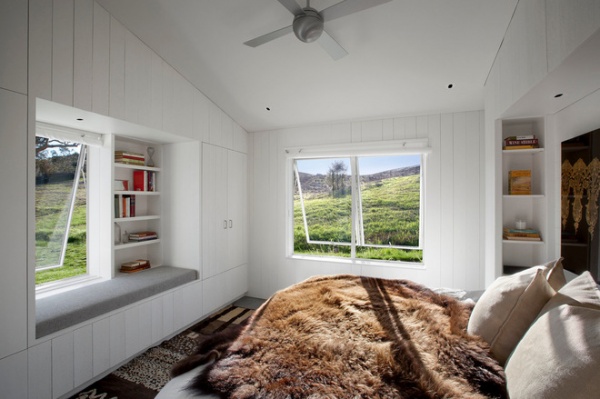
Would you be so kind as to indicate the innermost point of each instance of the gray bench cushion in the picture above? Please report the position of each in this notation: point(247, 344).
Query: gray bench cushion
point(66, 309)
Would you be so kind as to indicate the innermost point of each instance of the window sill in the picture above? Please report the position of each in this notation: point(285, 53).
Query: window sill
point(66, 309)
point(59, 287)
point(361, 262)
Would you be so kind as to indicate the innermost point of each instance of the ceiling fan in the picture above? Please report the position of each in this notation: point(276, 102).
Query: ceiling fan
point(308, 24)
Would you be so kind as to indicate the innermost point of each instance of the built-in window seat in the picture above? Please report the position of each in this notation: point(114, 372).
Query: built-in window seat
point(56, 312)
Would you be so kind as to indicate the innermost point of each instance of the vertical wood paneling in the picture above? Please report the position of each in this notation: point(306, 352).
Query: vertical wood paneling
point(227, 130)
point(446, 224)
point(167, 310)
point(169, 119)
point(101, 346)
point(132, 331)
point(13, 240)
point(117, 69)
point(433, 200)
point(62, 52)
point(356, 132)
point(62, 364)
point(39, 370)
point(13, 375)
point(145, 334)
point(83, 344)
point(201, 118)
point(40, 48)
point(144, 84)
point(372, 130)
point(156, 102)
point(388, 129)
point(101, 61)
point(83, 54)
point(132, 77)
point(568, 24)
point(422, 127)
point(117, 338)
point(214, 117)
point(157, 320)
point(13, 45)
point(472, 200)
point(179, 314)
point(461, 190)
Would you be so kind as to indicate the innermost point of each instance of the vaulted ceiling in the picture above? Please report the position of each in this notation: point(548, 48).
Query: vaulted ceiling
point(402, 56)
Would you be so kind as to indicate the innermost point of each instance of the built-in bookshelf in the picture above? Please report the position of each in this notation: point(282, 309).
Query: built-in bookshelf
point(524, 203)
point(136, 202)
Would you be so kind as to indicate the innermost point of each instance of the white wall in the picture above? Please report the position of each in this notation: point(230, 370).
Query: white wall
point(453, 201)
point(550, 47)
point(74, 53)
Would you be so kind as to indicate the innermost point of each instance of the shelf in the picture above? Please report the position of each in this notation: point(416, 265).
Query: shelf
point(523, 151)
point(521, 242)
point(137, 192)
point(137, 218)
point(136, 244)
point(136, 167)
point(511, 196)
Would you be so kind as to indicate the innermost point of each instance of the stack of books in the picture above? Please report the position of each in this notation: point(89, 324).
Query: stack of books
point(521, 234)
point(143, 236)
point(124, 206)
point(521, 142)
point(519, 182)
point(135, 266)
point(144, 180)
point(129, 158)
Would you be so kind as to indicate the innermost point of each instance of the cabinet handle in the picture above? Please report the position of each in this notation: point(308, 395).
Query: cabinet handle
point(224, 224)
point(230, 223)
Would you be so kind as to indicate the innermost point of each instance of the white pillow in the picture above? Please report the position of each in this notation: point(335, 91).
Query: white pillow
point(559, 357)
point(508, 307)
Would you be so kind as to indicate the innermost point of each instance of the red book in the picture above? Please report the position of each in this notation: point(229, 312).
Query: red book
point(140, 180)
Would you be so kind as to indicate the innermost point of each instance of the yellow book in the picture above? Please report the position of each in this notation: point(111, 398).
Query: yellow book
point(519, 182)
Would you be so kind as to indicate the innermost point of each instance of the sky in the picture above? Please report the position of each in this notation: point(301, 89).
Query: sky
point(367, 165)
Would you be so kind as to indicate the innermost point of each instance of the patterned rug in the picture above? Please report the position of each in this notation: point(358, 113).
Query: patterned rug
point(144, 376)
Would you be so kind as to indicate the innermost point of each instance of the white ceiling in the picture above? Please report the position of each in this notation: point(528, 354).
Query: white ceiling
point(402, 57)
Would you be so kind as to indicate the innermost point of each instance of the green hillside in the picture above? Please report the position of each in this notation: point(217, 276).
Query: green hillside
point(390, 216)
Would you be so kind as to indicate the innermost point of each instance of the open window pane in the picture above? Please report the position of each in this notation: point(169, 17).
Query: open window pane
point(326, 205)
point(61, 209)
point(390, 191)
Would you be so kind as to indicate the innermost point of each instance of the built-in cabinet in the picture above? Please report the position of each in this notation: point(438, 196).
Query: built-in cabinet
point(224, 209)
point(137, 209)
point(530, 208)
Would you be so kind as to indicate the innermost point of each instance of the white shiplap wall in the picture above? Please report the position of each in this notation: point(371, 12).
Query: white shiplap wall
point(453, 201)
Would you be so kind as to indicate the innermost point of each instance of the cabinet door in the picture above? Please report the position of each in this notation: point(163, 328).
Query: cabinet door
point(214, 210)
point(237, 208)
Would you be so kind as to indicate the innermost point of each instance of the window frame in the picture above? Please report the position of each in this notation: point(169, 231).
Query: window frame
point(353, 151)
point(93, 143)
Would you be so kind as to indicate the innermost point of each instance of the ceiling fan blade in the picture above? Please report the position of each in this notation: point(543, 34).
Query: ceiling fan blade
point(332, 47)
point(348, 7)
point(269, 36)
point(292, 5)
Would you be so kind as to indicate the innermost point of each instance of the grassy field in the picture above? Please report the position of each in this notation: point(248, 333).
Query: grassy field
point(390, 216)
point(49, 213)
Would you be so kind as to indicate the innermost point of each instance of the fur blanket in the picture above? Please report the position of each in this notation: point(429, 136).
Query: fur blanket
point(350, 337)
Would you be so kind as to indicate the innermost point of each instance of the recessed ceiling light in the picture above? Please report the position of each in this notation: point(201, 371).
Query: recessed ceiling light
point(558, 95)
point(450, 86)
point(268, 108)
point(79, 119)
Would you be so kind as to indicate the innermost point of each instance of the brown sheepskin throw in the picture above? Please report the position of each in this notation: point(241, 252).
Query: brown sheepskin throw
point(351, 337)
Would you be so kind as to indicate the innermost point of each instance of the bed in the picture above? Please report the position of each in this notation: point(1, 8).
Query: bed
point(530, 335)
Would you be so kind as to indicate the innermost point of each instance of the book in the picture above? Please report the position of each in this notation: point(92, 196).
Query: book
point(521, 137)
point(510, 143)
point(516, 233)
point(130, 162)
point(513, 238)
point(519, 182)
point(519, 147)
point(139, 269)
point(140, 180)
point(121, 185)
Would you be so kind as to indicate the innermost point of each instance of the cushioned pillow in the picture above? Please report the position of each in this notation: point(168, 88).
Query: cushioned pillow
point(556, 274)
point(559, 356)
point(581, 291)
point(508, 307)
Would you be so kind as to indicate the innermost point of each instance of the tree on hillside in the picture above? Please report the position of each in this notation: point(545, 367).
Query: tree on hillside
point(336, 178)
point(54, 156)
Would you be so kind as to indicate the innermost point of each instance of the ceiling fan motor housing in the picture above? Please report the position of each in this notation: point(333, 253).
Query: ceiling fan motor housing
point(308, 26)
